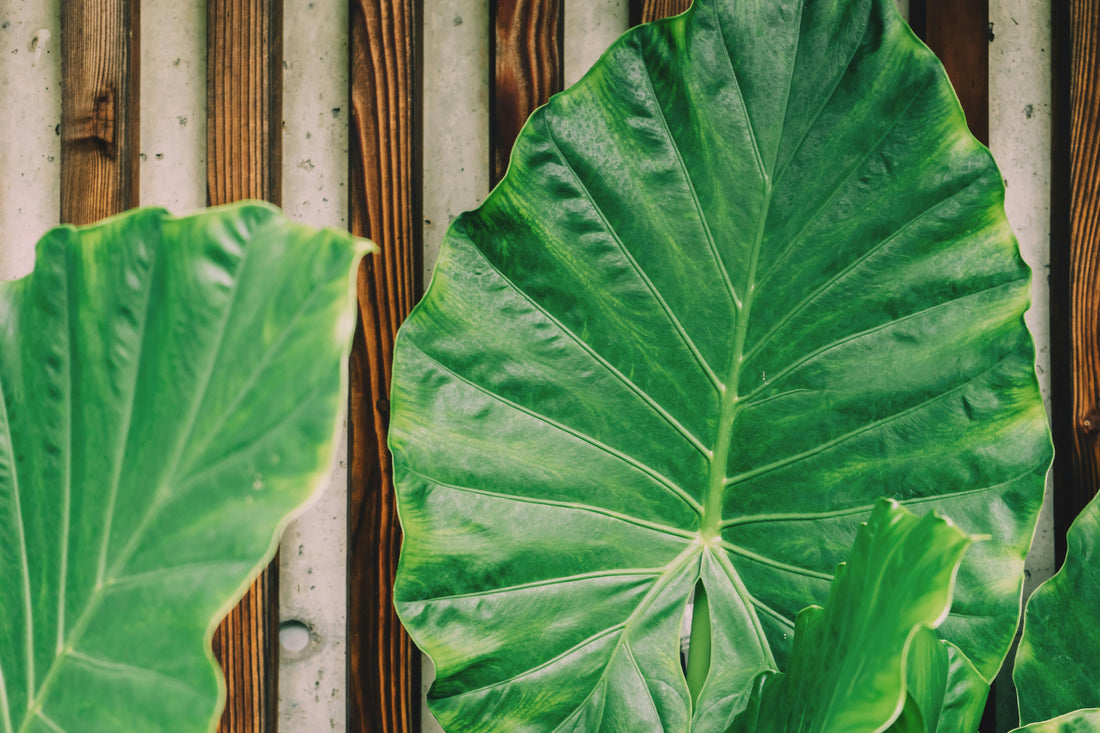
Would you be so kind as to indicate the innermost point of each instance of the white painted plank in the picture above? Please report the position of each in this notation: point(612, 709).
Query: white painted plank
point(590, 27)
point(172, 168)
point(30, 145)
point(456, 115)
point(313, 555)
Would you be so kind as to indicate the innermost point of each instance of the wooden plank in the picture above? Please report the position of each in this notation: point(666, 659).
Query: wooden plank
point(1075, 260)
point(958, 32)
point(99, 109)
point(646, 11)
point(384, 205)
point(243, 160)
point(526, 62)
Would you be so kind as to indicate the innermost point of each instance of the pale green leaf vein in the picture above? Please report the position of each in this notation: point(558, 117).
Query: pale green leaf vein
point(836, 190)
point(873, 425)
point(20, 527)
point(140, 674)
point(607, 365)
point(559, 580)
point(634, 463)
point(673, 319)
point(71, 321)
point(566, 505)
point(50, 722)
point(778, 565)
point(751, 602)
point(276, 425)
point(712, 246)
point(124, 432)
point(258, 370)
point(767, 337)
point(174, 458)
point(884, 326)
point(814, 516)
point(740, 95)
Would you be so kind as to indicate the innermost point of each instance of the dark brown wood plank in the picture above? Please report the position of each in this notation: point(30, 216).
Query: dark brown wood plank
point(645, 11)
point(1075, 260)
point(99, 108)
point(384, 205)
point(526, 62)
point(959, 34)
point(244, 56)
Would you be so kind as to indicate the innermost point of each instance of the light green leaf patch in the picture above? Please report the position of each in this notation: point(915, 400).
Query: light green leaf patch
point(170, 390)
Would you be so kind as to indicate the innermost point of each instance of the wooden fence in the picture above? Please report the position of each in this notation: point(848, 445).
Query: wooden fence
point(244, 109)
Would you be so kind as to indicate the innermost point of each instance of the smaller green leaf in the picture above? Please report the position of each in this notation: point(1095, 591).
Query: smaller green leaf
point(910, 720)
point(1059, 653)
point(944, 684)
point(1079, 721)
point(848, 663)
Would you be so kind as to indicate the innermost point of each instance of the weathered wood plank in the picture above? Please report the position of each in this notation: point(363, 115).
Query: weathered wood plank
point(958, 32)
point(99, 108)
point(646, 11)
point(243, 160)
point(384, 205)
point(1075, 260)
point(526, 63)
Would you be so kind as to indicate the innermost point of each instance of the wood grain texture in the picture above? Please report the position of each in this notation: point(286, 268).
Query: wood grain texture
point(244, 57)
point(526, 65)
point(1075, 260)
point(384, 205)
point(99, 108)
point(958, 32)
point(646, 11)
point(246, 645)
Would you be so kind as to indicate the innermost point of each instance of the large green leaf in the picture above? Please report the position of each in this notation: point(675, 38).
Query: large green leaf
point(1058, 659)
point(848, 667)
point(170, 390)
point(748, 275)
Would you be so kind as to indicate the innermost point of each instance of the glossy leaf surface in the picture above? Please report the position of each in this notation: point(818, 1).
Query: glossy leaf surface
point(1079, 721)
point(748, 275)
point(848, 664)
point(1058, 659)
point(171, 390)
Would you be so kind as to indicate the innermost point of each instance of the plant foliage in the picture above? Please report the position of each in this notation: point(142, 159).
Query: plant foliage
point(750, 274)
point(170, 390)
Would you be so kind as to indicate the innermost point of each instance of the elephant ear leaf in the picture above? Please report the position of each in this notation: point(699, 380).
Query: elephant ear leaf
point(1059, 654)
point(847, 669)
point(748, 275)
point(170, 390)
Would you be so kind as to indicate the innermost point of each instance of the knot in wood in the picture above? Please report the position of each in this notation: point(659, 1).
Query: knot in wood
point(1090, 423)
point(98, 123)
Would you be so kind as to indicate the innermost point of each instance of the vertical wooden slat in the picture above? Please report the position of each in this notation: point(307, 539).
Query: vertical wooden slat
point(646, 11)
point(1075, 259)
point(243, 153)
point(958, 32)
point(526, 62)
point(99, 108)
point(384, 205)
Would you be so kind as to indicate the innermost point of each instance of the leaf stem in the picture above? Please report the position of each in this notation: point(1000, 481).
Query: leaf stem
point(698, 663)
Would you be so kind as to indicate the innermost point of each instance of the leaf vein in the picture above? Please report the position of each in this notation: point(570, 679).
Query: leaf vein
point(634, 463)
